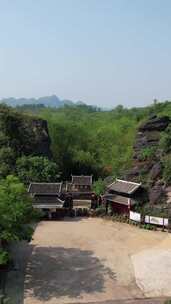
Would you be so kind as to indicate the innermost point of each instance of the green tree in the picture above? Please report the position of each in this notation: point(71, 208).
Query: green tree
point(36, 169)
point(99, 186)
point(86, 141)
point(7, 161)
point(15, 210)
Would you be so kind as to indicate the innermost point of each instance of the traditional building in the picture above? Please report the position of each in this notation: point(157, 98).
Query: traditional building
point(123, 195)
point(80, 187)
point(81, 183)
point(46, 195)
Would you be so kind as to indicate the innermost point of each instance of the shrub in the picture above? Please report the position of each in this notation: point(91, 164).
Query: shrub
point(4, 257)
point(167, 169)
point(165, 140)
point(99, 211)
point(121, 218)
point(153, 211)
point(147, 153)
point(167, 302)
point(99, 186)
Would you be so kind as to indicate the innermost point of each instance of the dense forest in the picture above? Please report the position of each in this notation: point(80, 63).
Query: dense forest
point(45, 144)
point(87, 140)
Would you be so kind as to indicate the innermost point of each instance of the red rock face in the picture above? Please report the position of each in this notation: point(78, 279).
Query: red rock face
point(148, 169)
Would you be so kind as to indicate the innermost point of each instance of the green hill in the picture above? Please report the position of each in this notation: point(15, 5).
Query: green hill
point(89, 140)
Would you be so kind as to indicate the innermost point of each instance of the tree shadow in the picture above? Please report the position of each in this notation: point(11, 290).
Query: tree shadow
point(14, 288)
point(56, 272)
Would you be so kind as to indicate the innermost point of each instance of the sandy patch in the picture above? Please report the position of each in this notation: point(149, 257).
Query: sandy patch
point(153, 272)
point(86, 260)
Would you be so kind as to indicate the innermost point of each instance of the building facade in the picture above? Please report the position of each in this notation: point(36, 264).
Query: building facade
point(122, 196)
point(46, 196)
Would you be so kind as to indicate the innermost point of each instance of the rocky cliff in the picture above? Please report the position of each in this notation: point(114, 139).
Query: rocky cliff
point(147, 159)
point(36, 137)
point(26, 135)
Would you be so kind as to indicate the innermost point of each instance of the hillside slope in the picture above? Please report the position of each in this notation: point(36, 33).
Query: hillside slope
point(151, 158)
point(21, 135)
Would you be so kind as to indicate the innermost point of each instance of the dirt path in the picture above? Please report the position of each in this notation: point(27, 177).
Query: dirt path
point(88, 260)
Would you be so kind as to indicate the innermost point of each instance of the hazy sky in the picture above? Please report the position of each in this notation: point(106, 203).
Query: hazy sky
point(103, 52)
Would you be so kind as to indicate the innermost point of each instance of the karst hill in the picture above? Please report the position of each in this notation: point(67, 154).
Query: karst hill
point(23, 133)
point(151, 158)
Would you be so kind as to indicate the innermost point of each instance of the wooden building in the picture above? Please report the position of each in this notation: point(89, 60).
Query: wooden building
point(81, 183)
point(123, 195)
point(80, 186)
point(46, 196)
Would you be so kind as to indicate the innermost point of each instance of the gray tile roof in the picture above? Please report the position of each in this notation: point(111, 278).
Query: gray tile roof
point(45, 188)
point(47, 200)
point(47, 206)
point(122, 186)
point(82, 180)
point(120, 199)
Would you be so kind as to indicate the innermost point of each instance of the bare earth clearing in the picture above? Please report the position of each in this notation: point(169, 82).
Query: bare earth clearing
point(93, 260)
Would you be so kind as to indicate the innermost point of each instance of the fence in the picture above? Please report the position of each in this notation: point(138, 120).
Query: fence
point(148, 219)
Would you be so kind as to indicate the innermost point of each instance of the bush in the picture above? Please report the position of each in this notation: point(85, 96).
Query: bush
point(153, 211)
point(147, 153)
point(99, 186)
point(165, 140)
point(4, 257)
point(167, 302)
point(167, 169)
point(99, 211)
point(123, 218)
point(148, 227)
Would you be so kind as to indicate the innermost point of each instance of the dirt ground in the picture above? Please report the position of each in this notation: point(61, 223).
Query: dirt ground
point(94, 260)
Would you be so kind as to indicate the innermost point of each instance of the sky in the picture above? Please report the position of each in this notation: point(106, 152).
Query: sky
point(102, 52)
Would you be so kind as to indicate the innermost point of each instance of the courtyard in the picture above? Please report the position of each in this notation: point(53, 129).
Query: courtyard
point(86, 260)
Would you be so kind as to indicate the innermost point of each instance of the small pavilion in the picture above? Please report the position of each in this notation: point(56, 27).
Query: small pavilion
point(45, 195)
point(123, 195)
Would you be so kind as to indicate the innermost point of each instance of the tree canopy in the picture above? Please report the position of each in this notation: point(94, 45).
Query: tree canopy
point(15, 210)
point(36, 169)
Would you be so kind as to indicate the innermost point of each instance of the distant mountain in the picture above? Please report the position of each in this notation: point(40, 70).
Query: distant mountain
point(80, 103)
point(48, 101)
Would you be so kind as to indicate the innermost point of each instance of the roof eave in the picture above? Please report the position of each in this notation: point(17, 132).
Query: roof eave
point(123, 181)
